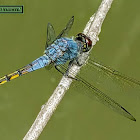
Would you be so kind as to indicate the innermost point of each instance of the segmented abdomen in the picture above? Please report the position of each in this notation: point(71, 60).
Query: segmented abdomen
point(36, 64)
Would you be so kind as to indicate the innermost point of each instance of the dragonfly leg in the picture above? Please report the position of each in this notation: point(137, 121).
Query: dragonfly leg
point(65, 72)
point(76, 62)
point(58, 69)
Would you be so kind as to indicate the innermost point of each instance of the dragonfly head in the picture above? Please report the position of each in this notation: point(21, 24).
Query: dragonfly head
point(86, 42)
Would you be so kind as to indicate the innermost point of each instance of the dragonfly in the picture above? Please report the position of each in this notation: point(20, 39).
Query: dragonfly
point(60, 50)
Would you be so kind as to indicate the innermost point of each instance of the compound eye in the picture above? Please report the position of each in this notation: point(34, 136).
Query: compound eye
point(89, 42)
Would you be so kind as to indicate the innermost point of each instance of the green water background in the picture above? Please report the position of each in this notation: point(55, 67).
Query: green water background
point(22, 39)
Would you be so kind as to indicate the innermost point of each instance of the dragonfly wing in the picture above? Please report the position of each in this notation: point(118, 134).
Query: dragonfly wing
point(50, 35)
point(65, 31)
point(111, 71)
point(100, 96)
point(103, 98)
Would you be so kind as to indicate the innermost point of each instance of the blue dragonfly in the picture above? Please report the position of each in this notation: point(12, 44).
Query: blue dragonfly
point(60, 50)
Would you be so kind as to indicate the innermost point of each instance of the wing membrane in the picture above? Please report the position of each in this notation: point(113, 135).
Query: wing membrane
point(111, 71)
point(50, 35)
point(65, 31)
point(102, 97)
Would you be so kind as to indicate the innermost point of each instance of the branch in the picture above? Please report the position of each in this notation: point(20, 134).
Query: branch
point(92, 30)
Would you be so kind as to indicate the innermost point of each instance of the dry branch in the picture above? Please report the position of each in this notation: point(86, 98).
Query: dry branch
point(92, 30)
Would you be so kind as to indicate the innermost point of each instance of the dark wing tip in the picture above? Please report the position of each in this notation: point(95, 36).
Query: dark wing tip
point(128, 115)
point(134, 119)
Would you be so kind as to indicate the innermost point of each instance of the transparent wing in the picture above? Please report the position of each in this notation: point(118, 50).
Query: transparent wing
point(100, 96)
point(103, 98)
point(65, 31)
point(50, 35)
point(111, 71)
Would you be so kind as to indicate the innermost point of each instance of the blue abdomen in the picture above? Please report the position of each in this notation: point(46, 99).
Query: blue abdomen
point(39, 63)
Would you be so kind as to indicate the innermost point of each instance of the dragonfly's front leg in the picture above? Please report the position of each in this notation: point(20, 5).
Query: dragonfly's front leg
point(65, 71)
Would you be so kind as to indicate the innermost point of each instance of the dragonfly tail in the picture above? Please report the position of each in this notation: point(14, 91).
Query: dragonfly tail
point(36, 64)
point(13, 75)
